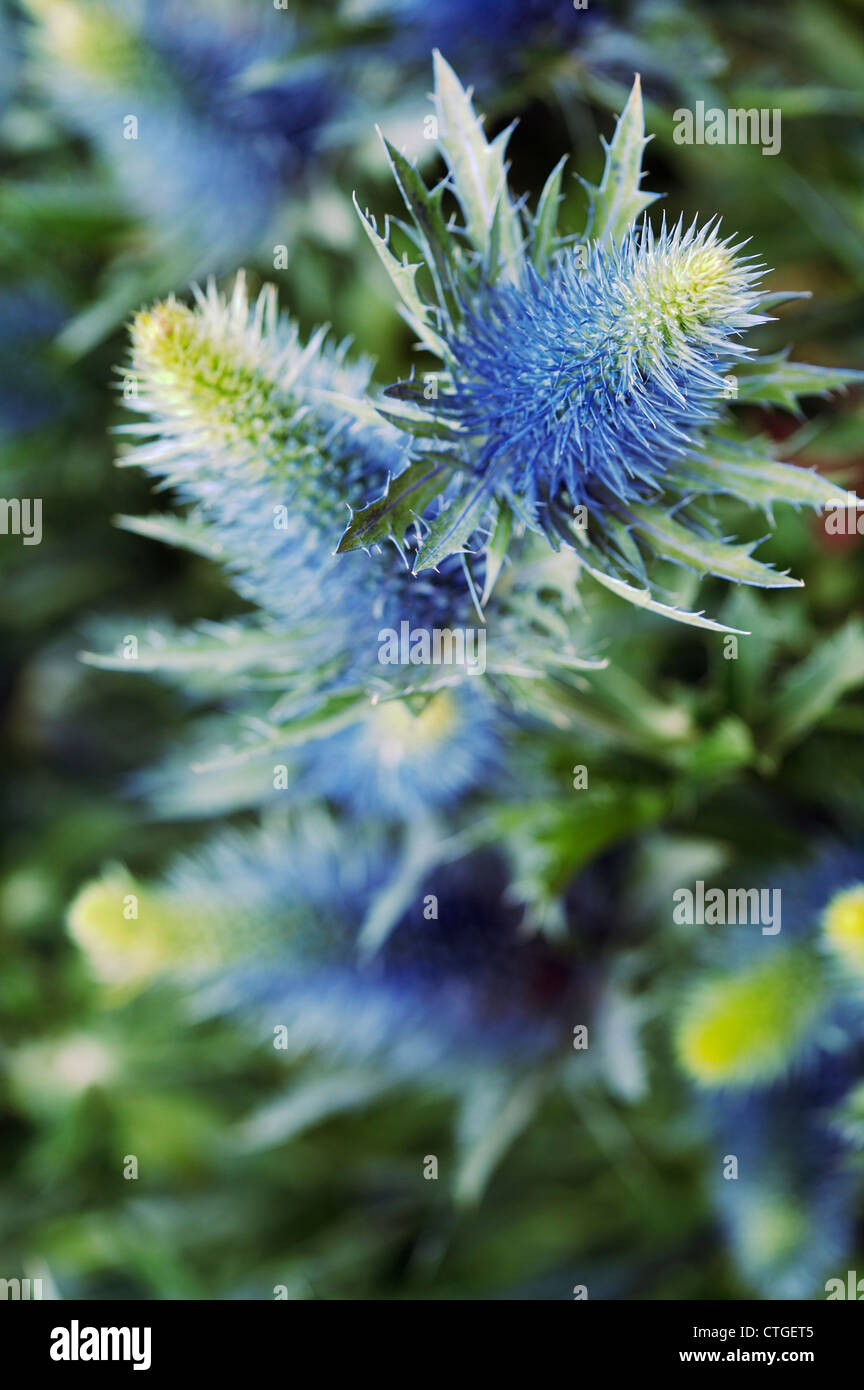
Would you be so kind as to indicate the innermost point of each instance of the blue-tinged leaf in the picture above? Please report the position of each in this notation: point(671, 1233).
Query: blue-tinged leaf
point(675, 542)
point(477, 169)
point(811, 690)
point(451, 531)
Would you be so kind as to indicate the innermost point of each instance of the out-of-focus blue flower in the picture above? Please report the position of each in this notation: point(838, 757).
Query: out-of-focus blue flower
point(493, 38)
point(270, 928)
point(788, 1212)
point(397, 760)
point(204, 111)
point(778, 1004)
point(774, 1040)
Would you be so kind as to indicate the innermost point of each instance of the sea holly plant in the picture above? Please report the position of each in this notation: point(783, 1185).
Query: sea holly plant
point(261, 437)
point(583, 391)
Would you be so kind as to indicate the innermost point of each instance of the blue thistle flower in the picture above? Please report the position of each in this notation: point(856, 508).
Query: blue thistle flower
point(788, 1215)
point(270, 927)
point(578, 386)
point(602, 377)
point(227, 116)
point(261, 436)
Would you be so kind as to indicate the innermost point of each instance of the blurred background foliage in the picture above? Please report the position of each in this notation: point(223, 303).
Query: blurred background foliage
point(303, 1167)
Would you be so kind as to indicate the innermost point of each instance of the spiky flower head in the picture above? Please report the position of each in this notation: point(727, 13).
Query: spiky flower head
point(262, 436)
point(600, 378)
point(581, 383)
point(276, 927)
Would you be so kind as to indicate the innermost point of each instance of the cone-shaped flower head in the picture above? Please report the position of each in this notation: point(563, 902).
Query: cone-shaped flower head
point(270, 927)
point(600, 377)
point(581, 382)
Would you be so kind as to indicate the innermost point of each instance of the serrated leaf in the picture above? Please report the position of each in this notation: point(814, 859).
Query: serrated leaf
point(643, 598)
point(493, 1116)
point(618, 201)
point(477, 168)
point(546, 220)
point(216, 649)
point(451, 531)
point(405, 498)
point(706, 555)
point(435, 241)
point(332, 714)
point(640, 598)
point(738, 471)
point(403, 275)
point(785, 383)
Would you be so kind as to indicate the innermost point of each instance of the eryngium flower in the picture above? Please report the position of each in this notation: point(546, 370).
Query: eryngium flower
point(778, 1006)
point(268, 927)
point(602, 377)
point(228, 117)
point(587, 378)
point(788, 1212)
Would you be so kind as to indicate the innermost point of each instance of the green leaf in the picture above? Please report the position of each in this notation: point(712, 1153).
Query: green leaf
point(785, 383)
point(405, 498)
point(618, 201)
point(494, 1113)
point(812, 689)
point(675, 542)
point(307, 1104)
point(598, 567)
point(332, 714)
point(643, 598)
point(477, 168)
point(773, 301)
point(403, 275)
point(454, 527)
point(739, 471)
point(496, 551)
point(435, 241)
point(181, 532)
point(546, 220)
